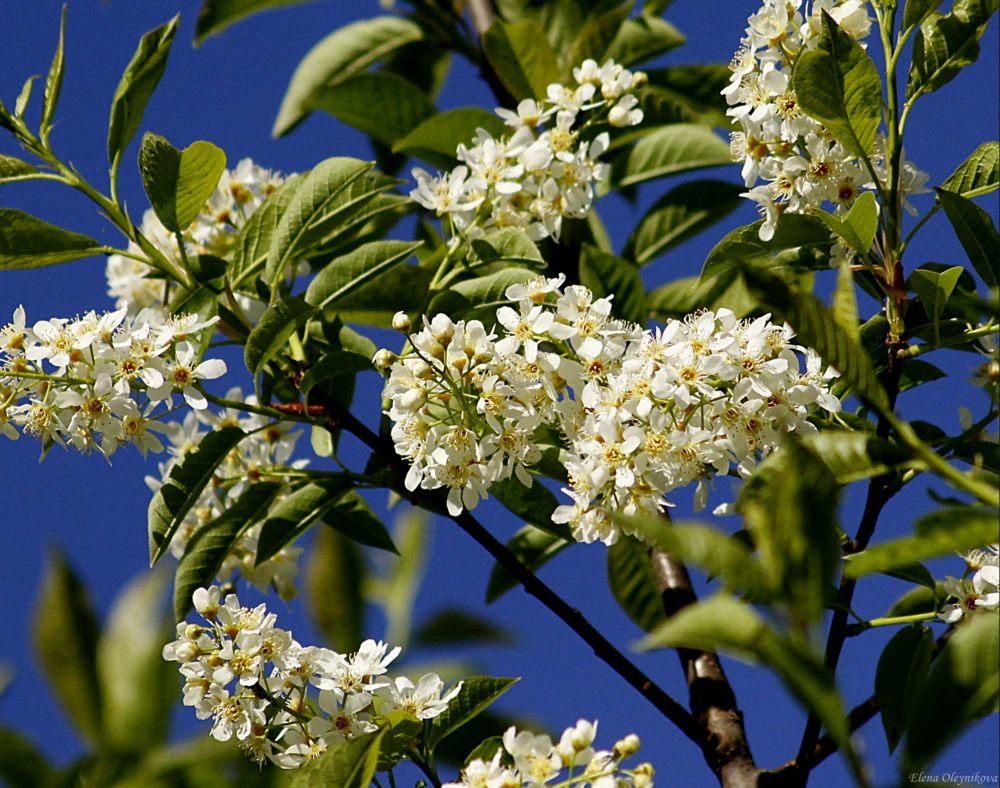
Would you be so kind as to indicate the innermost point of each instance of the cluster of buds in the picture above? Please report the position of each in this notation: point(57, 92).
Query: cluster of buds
point(264, 454)
point(641, 413)
point(240, 192)
point(284, 702)
point(975, 594)
point(525, 759)
point(97, 382)
point(802, 165)
point(546, 168)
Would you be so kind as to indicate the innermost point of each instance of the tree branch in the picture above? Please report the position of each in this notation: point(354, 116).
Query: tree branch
point(713, 703)
point(339, 418)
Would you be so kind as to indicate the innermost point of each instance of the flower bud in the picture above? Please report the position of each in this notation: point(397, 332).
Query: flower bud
point(401, 322)
point(639, 79)
point(642, 775)
point(384, 358)
point(627, 747)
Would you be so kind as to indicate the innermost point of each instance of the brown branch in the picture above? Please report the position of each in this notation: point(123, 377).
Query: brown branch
point(713, 703)
point(434, 500)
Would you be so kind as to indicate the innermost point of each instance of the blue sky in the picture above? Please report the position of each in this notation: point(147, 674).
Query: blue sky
point(228, 92)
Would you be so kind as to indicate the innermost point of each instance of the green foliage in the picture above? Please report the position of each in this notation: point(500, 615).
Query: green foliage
point(179, 182)
point(269, 336)
point(838, 85)
point(54, 80)
point(476, 695)
point(858, 226)
point(334, 579)
point(962, 686)
point(293, 515)
point(977, 234)
point(947, 43)
point(216, 15)
point(339, 56)
point(605, 274)
point(212, 542)
point(799, 243)
point(354, 518)
point(901, 668)
point(456, 627)
point(180, 490)
point(942, 532)
point(686, 94)
point(631, 579)
point(435, 139)
point(12, 168)
point(346, 274)
point(28, 242)
point(533, 547)
point(65, 639)
point(521, 57)
point(352, 764)
point(141, 76)
point(641, 38)
point(21, 765)
point(681, 147)
point(917, 10)
point(979, 174)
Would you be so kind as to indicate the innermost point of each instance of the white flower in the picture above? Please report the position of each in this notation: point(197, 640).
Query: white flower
point(181, 376)
point(424, 700)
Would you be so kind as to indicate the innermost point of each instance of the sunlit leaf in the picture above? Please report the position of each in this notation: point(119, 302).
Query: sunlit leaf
point(28, 242)
point(605, 274)
point(945, 44)
point(180, 490)
point(599, 31)
point(681, 147)
point(294, 513)
point(353, 517)
point(141, 76)
point(476, 695)
point(901, 669)
point(343, 275)
point(839, 85)
point(522, 57)
point(977, 234)
point(977, 175)
point(857, 227)
point(351, 764)
point(917, 10)
point(799, 243)
point(436, 139)
point(11, 167)
point(642, 38)
point(342, 54)
point(179, 182)
point(54, 80)
point(631, 579)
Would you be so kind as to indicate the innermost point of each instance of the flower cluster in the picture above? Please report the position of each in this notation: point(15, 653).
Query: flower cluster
point(240, 192)
point(264, 454)
point(546, 168)
point(285, 702)
point(97, 382)
point(529, 760)
point(640, 413)
point(979, 593)
point(802, 165)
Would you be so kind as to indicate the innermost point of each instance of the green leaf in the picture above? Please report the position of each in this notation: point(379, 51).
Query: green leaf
point(180, 490)
point(342, 54)
point(334, 576)
point(459, 627)
point(12, 167)
point(934, 288)
point(334, 365)
point(318, 198)
point(681, 147)
point(179, 182)
point(28, 242)
point(979, 174)
point(790, 506)
point(631, 579)
point(255, 236)
point(533, 547)
point(137, 687)
point(642, 38)
point(534, 504)
point(65, 640)
point(680, 297)
point(724, 623)
point(54, 80)
point(943, 532)
point(684, 94)
point(799, 243)
point(353, 517)
point(608, 275)
point(522, 57)
point(294, 513)
point(918, 10)
point(596, 35)
point(383, 105)
point(271, 333)
point(343, 275)
point(349, 764)
point(851, 456)
point(901, 668)
point(977, 234)
point(208, 548)
point(945, 44)
point(404, 287)
point(844, 306)
point(480, 297)
point(838, 85)
point(21, 764)
point(817, 329)
point(436, 139)
point(141, 76)
point(857, 228)
point(402, 728)
point(682, 212)
point(509, 245)
point(216, 15)
point(963, 685)
point(21, 103)
point(714, 552)
point(476, 695)
point(397, 591)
